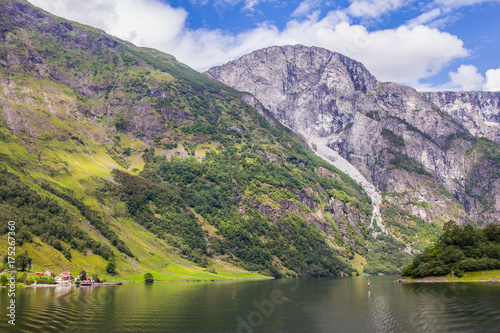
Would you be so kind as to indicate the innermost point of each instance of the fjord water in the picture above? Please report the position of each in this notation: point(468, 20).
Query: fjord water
point(312, 305)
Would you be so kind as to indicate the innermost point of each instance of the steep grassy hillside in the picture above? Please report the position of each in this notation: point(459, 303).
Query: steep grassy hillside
point(111, 152)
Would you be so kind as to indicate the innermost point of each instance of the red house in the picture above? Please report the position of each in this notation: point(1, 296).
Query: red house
point(88, 281)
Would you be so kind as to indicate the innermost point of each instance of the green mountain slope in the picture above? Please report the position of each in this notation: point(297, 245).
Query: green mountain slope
point(113, 152)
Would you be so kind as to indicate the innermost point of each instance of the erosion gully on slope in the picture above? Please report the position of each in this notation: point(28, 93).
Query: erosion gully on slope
point(332, 157)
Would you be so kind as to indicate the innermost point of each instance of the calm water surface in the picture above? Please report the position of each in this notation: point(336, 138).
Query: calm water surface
point(314, 305)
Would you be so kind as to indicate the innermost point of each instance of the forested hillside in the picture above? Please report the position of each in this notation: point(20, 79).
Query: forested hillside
point(113, 152)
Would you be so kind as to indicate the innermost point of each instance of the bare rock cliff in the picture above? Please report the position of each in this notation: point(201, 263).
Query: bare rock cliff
point(477, 111)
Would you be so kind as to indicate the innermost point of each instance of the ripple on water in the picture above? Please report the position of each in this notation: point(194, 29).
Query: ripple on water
point(382, 315)
point(335, 305)
point(454, 307)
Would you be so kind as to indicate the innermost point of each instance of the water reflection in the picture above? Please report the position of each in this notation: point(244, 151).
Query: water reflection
point(315, 305)
point(459, 307)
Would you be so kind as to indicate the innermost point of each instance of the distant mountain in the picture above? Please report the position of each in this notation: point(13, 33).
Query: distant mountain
point(414, 148)
point(113, 152)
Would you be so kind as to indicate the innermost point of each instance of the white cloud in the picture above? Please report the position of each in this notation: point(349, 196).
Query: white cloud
point(441, 13)
point(424, 18)
point(227, 2)
point(492, 80)
point(461, 3)
point(306, 7)
point(148, 22)
point(373, 8)
point(250, 4)
point(96, 13)
point(467, 78)
point(405, 55)
point(142, 22)
point(200, 2)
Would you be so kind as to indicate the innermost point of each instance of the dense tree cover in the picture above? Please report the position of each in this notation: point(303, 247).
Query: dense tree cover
point(219, 188)
point(44, 217)
point(22, 261)
point(94, 219)
point(409, 228)
point(459, 249)
point(146, 201)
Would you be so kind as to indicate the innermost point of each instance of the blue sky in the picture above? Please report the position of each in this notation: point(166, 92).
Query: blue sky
point(430, 45)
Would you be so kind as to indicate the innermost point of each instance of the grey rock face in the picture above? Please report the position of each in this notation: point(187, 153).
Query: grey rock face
point(478, 111)
point(301, 79)
point(389, 132)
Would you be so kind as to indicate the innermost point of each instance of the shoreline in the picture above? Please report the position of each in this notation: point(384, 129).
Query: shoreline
point(213, 280)
point(119, 283)
point(63, 285)
point(447, 280)
point(486, 276)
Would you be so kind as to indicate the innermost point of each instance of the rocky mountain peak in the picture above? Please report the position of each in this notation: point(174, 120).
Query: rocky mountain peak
point(310, 77)
point(338, 72)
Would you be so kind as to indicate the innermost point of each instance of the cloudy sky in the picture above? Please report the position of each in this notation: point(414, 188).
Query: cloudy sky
point(430, 45)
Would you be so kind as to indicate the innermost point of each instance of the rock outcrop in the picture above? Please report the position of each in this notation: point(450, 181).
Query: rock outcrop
point(477, 111)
